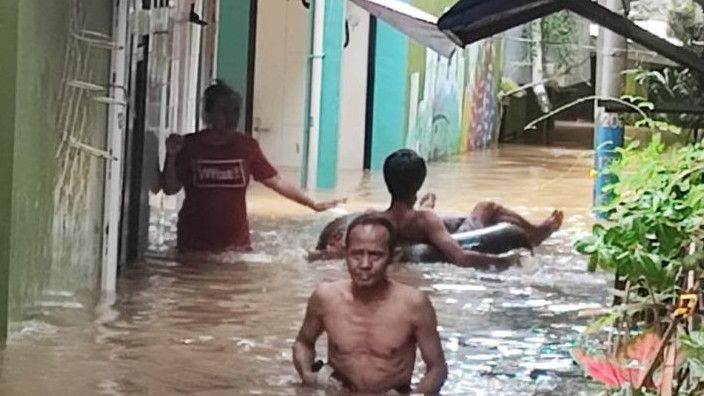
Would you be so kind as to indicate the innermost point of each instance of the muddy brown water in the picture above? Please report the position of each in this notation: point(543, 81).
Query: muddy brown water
point(224, 325)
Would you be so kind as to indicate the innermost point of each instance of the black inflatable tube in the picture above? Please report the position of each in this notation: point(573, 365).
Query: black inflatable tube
point(495, 239)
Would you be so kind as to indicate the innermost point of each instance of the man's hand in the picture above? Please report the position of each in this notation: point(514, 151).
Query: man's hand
point(174, 144)
point(308, 378)
point(323, 206)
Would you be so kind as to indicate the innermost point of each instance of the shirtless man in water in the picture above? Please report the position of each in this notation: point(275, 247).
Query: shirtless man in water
point(404, 174)
point(373, 324)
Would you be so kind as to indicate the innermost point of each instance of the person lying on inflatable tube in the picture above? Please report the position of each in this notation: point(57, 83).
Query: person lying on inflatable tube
point(478, 240)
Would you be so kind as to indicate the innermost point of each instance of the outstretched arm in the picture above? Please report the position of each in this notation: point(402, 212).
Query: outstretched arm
point(304, 346)
point(430, 348)
point(290, 191)
point(439, 237)
point(170, 183)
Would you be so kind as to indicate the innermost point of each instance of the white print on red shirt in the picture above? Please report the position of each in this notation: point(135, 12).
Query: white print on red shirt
point(219, 173)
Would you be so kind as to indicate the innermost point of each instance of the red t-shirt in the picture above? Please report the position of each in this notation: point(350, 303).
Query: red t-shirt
point(215, 179)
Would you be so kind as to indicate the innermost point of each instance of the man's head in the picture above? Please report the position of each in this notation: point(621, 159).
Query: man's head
point(370, 243)
point(404, 174)
point(221, 106)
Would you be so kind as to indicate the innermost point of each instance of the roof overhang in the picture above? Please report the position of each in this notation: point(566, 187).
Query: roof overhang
point(413, 22)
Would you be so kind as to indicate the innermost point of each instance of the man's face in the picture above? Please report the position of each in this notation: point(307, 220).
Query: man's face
point(368, 254)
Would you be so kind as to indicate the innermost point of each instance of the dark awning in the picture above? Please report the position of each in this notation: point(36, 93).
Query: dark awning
point(472, 20)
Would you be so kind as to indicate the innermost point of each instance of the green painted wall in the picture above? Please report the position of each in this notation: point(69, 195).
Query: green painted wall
point(55, 226)
point(8, 73)
point(41, 43)
point(233, 46)
point(329, 124)
point(389, 106)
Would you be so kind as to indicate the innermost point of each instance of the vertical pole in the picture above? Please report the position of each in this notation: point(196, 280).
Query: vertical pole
point(609, 136)
point(9, 13)
point(116, 140)
point(315, 87)
point(611, 60)
point(305, 154)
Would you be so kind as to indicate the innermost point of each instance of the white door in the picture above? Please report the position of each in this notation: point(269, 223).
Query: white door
point(279, 80)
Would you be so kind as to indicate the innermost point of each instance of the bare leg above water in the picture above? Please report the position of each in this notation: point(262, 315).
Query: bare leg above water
point(490, 213)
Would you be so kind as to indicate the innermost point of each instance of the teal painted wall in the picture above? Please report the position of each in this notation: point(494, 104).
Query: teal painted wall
point(389, 106)
point(8, 73)
point(233, 46)
point(329, 125)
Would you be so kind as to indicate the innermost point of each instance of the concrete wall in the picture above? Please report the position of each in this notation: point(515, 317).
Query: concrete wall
point(56, 190)
point(9, 10)
point(434, 105)
point(353, 100)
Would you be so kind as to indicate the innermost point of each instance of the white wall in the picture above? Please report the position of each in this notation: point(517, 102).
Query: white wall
point(354, 90)
point(279, 83)
point(279, 80)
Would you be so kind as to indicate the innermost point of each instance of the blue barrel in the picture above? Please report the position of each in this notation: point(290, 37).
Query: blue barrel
point(607, 139)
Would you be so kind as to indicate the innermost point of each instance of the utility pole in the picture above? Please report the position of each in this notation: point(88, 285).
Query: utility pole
point(612, 50)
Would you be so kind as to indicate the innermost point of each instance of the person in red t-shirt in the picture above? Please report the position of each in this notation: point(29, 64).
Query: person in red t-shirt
point(214, 166)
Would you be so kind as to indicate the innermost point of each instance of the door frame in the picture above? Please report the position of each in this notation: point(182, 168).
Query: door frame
point(117, 114)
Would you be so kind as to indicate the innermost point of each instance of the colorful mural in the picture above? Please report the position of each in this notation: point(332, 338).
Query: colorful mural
point(457, 108)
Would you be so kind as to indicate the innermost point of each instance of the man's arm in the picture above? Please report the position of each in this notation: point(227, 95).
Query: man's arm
point(290, 191)
point(304, 346)
point(426, 334)
point(439, 237)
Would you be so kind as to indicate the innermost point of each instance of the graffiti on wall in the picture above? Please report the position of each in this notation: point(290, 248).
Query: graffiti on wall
point(434, 113)
point(456, 109)
point(481, 97)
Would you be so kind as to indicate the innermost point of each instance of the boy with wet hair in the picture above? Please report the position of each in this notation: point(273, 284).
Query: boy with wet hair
point(404, 174)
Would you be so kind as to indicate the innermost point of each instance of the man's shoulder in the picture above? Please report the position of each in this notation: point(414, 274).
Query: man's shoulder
point(326, 290)
point(410, 294)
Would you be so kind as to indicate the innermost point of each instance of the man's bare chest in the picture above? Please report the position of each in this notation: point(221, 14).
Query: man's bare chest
point(381, 333)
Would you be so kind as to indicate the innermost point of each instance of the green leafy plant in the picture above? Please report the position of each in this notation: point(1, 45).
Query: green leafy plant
point(673, 87)
point(655, 218)
point(653, 241)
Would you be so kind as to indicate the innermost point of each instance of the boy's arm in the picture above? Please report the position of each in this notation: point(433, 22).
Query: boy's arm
point(439, 237)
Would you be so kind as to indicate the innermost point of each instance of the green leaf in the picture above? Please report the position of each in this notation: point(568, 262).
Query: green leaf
point(585, 246)
point(601, 322)
point(646, 105)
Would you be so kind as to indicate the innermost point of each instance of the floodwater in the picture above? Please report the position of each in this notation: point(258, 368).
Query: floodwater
point(205, 327)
